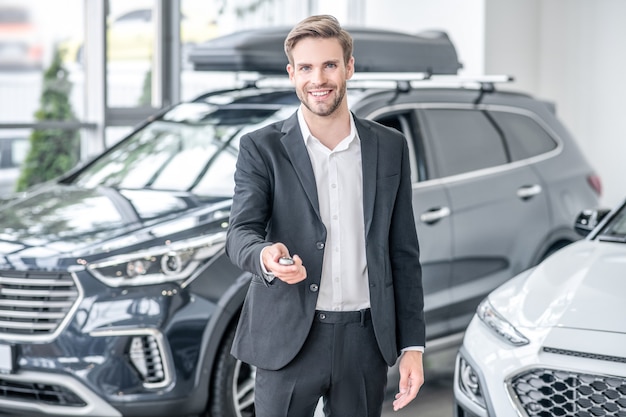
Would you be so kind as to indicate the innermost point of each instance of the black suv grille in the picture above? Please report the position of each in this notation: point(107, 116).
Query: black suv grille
point(40, 393)
point(34, 303)
point(550, 393)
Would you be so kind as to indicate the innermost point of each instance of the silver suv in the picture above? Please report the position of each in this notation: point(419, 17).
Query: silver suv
point(116, 297)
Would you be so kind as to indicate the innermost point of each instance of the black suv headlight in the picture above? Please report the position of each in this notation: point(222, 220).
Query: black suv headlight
point(171, 262)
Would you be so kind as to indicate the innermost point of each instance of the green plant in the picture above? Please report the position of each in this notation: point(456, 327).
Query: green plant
point(53, 151)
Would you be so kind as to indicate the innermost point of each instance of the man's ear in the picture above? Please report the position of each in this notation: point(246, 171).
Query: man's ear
point(290, 72)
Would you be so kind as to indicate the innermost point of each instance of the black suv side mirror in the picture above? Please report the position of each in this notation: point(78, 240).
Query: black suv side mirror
point(588, 219)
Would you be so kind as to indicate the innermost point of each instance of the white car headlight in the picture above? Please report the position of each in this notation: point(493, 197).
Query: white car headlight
point(498, 324)
point(170, 262)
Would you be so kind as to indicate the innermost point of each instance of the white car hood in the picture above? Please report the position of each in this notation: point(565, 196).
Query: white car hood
point(583, 286)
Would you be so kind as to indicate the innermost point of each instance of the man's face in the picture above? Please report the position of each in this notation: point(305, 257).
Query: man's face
point(319, 74)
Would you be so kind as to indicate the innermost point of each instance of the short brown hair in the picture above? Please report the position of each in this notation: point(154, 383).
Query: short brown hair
point(319, 26)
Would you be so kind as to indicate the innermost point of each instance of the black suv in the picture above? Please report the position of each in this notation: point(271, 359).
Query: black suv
point(116, 297)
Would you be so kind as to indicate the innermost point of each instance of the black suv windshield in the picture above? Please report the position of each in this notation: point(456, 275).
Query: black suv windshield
point(193, 147)
point(615, 230)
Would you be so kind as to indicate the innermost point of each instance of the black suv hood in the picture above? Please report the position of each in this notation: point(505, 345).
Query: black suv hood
point(65, 221)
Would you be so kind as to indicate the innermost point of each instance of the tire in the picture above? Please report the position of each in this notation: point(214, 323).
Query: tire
point(232, 386)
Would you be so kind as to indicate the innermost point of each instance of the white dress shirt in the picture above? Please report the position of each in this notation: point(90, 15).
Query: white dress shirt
point(338, 174)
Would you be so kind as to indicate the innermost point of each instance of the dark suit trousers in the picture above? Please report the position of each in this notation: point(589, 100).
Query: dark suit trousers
point(340, 362)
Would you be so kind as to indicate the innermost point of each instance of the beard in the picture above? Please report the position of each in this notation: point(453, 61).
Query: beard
point(323, 108)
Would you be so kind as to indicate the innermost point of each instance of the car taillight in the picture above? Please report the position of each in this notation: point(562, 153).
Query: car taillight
point(596, 183)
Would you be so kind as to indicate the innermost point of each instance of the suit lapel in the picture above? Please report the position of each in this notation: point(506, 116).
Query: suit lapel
point(369, 161)
point(294, 145)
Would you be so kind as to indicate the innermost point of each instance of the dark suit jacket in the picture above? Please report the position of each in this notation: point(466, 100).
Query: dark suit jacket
point(276, 201)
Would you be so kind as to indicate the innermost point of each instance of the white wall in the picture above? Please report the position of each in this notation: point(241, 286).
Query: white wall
point(570, 52)
point(464, 20)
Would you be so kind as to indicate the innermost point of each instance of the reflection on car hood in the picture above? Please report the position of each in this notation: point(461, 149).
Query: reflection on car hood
point(60, 220)
point(580, 287)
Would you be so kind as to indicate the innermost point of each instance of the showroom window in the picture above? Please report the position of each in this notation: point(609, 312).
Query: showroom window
point(122, 61)
point(32, 96)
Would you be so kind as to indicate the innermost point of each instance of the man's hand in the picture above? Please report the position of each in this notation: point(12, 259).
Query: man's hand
point(291, 274)
point(411, 378)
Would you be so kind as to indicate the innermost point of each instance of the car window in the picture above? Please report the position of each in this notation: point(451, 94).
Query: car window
point(465, 140)
point(525, 137)
point(402, 123)
point(193, 147)
point(163, 156)
point(615, 230)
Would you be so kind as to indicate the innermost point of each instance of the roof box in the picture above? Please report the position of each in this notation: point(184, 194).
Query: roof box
point(261, 50)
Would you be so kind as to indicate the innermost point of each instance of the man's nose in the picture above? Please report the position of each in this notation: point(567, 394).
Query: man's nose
point(318, 77)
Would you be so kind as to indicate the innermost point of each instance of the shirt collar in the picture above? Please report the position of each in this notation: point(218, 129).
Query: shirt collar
point(306, 133)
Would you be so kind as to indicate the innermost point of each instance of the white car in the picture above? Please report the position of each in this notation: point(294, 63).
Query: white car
point(552, 341)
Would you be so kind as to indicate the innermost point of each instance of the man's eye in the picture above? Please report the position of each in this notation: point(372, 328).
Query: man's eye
point(331, 65)
point(305, 69)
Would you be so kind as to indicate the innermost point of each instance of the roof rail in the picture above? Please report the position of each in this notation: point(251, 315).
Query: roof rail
point(404, 81)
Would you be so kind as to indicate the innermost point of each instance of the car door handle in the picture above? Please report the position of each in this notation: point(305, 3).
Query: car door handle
point(528, 191)
point(433, 215)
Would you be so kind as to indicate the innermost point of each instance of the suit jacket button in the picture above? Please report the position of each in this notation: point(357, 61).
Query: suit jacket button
point(319, 245)
point(313, 287)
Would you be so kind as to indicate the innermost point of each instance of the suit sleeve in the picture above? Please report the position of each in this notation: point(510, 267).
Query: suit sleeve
point(405, 264)
point(250, 210)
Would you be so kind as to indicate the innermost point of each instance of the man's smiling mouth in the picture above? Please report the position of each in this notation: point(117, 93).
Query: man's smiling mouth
point(319, 93)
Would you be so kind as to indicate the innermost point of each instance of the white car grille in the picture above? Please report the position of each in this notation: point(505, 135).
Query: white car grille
point(550, 393)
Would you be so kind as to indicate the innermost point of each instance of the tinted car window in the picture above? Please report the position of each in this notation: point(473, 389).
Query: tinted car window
point(525, 137)
point(465, 140)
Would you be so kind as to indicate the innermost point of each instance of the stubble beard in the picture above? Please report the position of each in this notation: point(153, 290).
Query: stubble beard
point(322, 109)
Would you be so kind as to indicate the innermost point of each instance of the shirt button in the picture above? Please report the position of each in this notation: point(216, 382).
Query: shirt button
point(319, 245)
point(313, 287)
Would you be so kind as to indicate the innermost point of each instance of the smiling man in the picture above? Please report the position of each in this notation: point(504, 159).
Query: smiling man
point(334, 191)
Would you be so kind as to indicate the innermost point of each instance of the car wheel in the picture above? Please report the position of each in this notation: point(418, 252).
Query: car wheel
point(232, 392)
